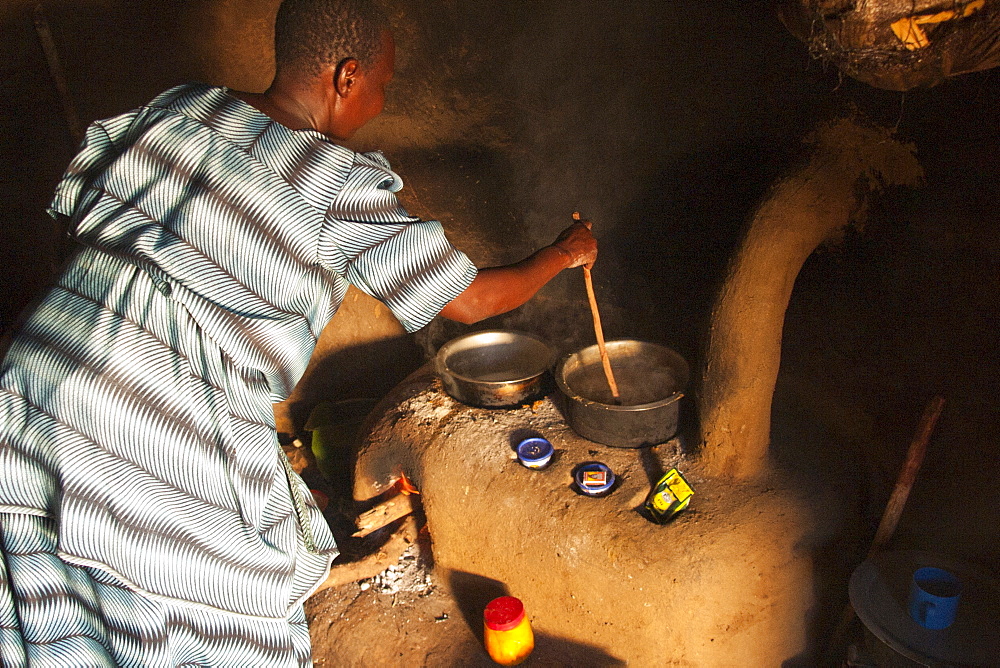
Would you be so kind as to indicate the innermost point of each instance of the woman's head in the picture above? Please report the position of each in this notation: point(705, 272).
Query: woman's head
point(311, 35)
point(334, 59)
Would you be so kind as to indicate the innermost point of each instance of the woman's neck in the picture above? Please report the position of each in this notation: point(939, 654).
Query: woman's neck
point(284, 109)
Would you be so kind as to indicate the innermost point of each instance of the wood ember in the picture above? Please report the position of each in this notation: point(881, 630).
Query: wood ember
point(409, 574)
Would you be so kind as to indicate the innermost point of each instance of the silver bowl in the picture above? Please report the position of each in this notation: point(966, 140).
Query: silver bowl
point(494, 368)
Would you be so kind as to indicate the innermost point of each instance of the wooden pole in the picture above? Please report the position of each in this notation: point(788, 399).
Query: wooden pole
point(58, 75)
point(897, 501)
point(69, 114)
point(908, 476)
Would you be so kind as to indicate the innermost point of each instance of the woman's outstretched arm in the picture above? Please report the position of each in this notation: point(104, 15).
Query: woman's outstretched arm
point(497, 290)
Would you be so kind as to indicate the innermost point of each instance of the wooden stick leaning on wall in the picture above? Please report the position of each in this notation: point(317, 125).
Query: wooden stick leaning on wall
point(897, 501)
point(908, 476)
point(69, 115)
point(58, 75)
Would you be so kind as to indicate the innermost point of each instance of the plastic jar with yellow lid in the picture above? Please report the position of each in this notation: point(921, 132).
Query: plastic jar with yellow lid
point(507, 631)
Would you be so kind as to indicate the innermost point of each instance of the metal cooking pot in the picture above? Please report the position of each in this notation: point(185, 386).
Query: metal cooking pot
point(495, 368)
point(650, 380)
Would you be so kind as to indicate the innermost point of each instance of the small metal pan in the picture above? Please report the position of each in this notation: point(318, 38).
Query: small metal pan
point(495, 368)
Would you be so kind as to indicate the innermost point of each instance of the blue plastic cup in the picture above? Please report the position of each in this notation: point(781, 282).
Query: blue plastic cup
point(934, 594)
point(534, 453)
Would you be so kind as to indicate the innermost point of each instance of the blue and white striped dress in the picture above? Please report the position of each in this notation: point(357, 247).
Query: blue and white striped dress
point(147, 514)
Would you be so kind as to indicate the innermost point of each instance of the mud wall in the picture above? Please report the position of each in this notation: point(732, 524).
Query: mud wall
point(664, 123)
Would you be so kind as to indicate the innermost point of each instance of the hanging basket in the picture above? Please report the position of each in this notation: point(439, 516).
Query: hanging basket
point(898, 44)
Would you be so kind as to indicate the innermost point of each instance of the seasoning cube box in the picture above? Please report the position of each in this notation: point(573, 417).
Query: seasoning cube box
point(671, 495)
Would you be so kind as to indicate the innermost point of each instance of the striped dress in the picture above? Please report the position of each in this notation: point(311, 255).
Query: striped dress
point(147, 514)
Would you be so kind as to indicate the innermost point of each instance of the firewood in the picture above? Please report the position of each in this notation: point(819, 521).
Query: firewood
point(384, 513)
point(373, 564)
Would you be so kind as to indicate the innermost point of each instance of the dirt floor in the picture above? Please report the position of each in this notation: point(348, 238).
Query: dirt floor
point(408, 616)
point(420, 624)
point(408, 613)
point(402, 617)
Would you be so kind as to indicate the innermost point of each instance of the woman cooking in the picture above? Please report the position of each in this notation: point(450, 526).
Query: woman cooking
point(147, 514)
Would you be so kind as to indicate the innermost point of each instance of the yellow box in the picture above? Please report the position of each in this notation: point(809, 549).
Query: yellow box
point(671, 495)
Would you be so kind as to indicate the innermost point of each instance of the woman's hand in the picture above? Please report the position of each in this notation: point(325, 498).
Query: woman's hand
point(578, 243)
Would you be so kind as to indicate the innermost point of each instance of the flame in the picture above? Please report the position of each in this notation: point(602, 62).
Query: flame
point(406, 486)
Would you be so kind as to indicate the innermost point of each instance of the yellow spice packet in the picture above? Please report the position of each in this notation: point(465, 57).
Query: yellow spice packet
point(670, 495)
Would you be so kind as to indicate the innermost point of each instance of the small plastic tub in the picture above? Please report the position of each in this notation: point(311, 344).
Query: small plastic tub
point(507, 632)
point(594, 478)
point(535, 453)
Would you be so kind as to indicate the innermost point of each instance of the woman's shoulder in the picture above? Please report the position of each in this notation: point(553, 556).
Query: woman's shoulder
point(187, 94)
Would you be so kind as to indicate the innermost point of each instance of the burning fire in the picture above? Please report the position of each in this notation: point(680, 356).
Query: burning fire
point(405, 486)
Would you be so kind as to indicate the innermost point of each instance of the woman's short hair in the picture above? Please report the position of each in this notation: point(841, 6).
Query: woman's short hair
point(311, 34)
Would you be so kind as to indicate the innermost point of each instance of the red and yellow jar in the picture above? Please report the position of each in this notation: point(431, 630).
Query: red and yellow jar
point(507, 631)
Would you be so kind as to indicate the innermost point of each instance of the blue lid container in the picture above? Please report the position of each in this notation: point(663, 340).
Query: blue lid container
point(534, 453)
point(594, 478)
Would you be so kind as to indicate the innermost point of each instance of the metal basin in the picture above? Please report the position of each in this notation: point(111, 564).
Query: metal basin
point(651, 379)
point(495, 368)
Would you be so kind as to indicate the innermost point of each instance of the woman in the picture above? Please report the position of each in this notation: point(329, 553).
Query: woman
point(147, 514)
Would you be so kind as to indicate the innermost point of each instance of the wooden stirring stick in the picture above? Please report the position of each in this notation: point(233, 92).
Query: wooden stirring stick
point(598, 330)
point(605, 362)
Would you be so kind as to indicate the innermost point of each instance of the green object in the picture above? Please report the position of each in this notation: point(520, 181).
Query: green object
point(335, 429)
point(671, 495)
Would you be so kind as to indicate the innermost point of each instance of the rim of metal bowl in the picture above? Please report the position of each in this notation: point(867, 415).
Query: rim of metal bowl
point(445, 350)
point(571, 394)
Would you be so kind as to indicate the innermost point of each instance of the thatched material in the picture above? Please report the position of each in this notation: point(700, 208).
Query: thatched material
point(898, 44)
